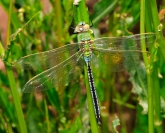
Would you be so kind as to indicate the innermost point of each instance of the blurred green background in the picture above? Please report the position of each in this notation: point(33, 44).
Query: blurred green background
point(65, 110)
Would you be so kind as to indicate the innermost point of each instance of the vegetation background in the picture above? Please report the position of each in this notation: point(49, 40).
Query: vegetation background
point(65, 110)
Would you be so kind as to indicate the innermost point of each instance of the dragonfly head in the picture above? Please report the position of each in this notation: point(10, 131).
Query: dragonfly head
point(82, 27)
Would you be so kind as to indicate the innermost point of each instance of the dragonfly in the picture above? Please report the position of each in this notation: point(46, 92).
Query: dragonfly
point(64, 64)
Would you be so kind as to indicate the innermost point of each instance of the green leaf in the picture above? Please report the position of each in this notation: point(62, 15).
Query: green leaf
point(53, 97)
point(126, 5)
point(35, 121)
point(76, 126)
point(141, 125)
point(81, 13)
point(64, 131)
point(72, 92)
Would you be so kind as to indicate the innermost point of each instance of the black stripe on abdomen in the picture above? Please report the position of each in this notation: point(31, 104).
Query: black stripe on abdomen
point(94, 94)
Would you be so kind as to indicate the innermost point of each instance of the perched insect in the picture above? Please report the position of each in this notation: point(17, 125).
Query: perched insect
point(61, 65)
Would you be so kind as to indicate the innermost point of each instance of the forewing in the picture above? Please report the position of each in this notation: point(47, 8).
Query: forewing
point(56, 76)
point(121, 53)
point(45, 60)
point(125, 42)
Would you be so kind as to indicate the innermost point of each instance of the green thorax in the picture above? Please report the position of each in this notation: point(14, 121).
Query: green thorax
point(85, 37)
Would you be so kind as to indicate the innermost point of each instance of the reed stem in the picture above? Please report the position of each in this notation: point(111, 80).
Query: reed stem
point(149, 76)
point(13, 86)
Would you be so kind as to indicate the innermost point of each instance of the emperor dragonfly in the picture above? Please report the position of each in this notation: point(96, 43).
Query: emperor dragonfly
point(61, 64)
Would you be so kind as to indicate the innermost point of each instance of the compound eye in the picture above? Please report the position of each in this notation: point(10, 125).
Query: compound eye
point(82, 23)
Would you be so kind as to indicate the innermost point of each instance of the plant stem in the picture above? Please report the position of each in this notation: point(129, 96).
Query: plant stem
point(122, 120)
point(156, 96)
point(47, 115)
point(149, 76)
point(156, 84)
point(150, 105)
point(8, 24)
point(16, 99)
point(59, 21)
point(12, 83)
point(154, 12)
point(156, 23)
point(94, 126)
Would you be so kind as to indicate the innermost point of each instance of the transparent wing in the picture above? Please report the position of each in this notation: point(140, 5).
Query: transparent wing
point(116, 61)
point(120, 53)
point(117, 43)
point(56, 76)
point(45, 60)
